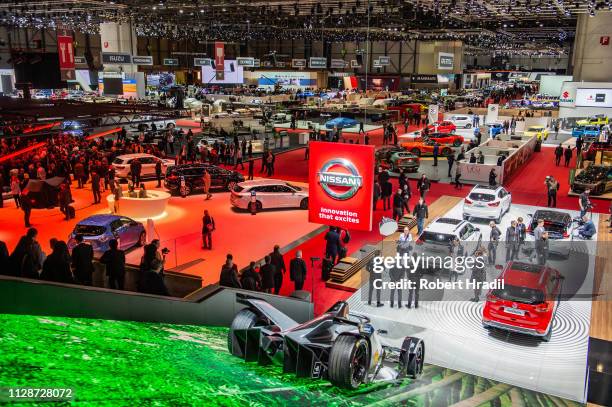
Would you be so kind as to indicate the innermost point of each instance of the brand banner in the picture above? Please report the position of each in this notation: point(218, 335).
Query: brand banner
point(298, 63)
point(432, 114)
point(220, 60)
point(317, 62)
point(242, 61)
point(66, 57)
point(341, 183)
point(492, 113)
point(142, 60)
point(446, 61)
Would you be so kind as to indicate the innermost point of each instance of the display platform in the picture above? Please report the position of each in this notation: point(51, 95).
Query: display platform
point(151, 207)
point(121, 363)
point(457, 340)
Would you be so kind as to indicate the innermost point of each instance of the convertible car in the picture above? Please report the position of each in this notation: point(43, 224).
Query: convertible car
point(339, 346)
point(441, 138)
point(425, 147)
point(341, 123)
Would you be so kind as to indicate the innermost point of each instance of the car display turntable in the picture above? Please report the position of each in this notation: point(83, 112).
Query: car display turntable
point(151, 207)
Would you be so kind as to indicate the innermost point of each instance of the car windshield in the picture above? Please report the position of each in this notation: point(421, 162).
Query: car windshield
point(523, 295)
point(238, 188)
point(479, 196)
point(437, 238)
point(89, 230)
point(118, 161)
point(294, 187)
point(534, 129)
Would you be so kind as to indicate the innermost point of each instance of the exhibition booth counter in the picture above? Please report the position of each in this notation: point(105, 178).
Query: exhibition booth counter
point(517, 153)
point(151, 207)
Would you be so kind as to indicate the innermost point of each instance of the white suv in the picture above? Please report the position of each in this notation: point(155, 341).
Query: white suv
point(269, 193)
point(486, 202)
point(461, 121)
point(148, 161)
point(438, 235)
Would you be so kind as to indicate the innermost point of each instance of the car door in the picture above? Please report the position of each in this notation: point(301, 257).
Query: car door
point(127, 233)
point(148, 166)
point(287, 196)
point(266, 195)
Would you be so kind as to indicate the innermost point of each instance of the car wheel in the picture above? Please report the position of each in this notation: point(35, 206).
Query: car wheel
point(231, 185)
point(468, 126)
point(457, 142)
point(411, 362)
point(185, 191)
point(237, 336)
point(258, 206)
point(142, 239)
point(348, 361)
point(446, 151)
point(416, 152)
point(453, 131)
point(546, 338)
point(304, 203)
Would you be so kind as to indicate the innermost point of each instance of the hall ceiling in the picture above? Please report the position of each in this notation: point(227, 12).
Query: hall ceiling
point(480, 23)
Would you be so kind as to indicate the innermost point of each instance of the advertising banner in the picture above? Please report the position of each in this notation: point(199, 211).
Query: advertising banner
point(142, 60)
point(116, 58)
point(446, 61)
point(384, 60)
point(66, 57)
point(594, 97)
point(242, 61)
point(337, 64)
point(220, 60)
point(432, 114)
point(80, 60)
point(341, 183)
point(318, 62)
point(492, 113)
point(202, 62)
point(171, 62)
point(298, 63)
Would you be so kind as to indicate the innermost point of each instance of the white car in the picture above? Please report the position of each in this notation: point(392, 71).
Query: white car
point(146, 122)
point(486, 202)
point(121, 164)
point(462, 121)
point(281, 117)
point(438, 235)
point(269, 193)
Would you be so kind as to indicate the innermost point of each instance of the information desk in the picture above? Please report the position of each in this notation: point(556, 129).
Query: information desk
point(154, 206)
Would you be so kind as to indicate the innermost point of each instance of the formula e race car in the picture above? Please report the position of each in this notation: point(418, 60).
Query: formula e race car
point(339, 346)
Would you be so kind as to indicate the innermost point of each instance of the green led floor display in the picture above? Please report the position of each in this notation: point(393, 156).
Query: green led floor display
point(116, 363)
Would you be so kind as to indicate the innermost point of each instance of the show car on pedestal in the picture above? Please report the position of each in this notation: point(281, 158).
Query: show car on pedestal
point(341, 123)
point(528, 301)
point(586, 132)
point(558, 224)
point(98, 230)
point(425, 147)
point(339, 346)
point(540, 132)
point(487, 202)
point(121, 164)
point(396, 158)
point(597, 120)
point(269, 194)
point(597, 178)
point(187, 178)
point(462, 121)
point(445, 127)
point(438, 235)
point(442, 138)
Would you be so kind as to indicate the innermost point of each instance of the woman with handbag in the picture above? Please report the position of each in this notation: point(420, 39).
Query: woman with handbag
point(208, 226)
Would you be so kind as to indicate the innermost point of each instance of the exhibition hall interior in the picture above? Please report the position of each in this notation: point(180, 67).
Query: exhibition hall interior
point(306, 203)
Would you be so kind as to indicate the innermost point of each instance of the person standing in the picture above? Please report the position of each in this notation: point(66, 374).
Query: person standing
point(208, 226)
point(158, 172)
point(584, 202)
point(556, 129)
point(332, 238)
point(114, 260)
point(82, 261)
point(250, 279)
point(559, 154)
point(521, 231)
point(458, 184)
point(387, 191)
point(578, 145)
point(376, 194)
point(206, 183)
point(239, 159)
point(492, 177)
point(95, 187)
point(297, 270)
point(79, 173)
point(421, 212)
point(398, 205)
point(493, 242)
point(151, 279)
point(267, 275)
point(251, 169)
point(552, 186)
point(16, 191)
point(229, 273)
point(373, 276)
point(64, 200)
point(396, 274)
point(279, 264)
point(56, 266)
point(423, 185)
point(451, 160)
point(135, 169)
point(512, 241)
point(26, 207)
point(456, 251)
point(567, 154)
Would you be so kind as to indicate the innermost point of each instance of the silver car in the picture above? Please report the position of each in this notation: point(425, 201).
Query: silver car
point(269, 194)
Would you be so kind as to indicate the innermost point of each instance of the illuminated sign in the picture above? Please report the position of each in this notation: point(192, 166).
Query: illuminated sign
point(330, 179)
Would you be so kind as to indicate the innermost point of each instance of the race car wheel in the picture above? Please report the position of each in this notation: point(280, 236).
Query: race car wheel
point(244, 319)
point(468, 126)
point(304, 203)
point(457, 143)
point(446, 151)
point(231, 185)
point(411, 361)
point(416, 152)
point(348, 361)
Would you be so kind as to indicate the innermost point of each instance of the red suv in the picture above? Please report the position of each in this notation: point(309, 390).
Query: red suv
point(528, 301)
point(446, 127)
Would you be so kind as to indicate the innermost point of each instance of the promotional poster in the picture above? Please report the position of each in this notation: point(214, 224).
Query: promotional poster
point(341, 180)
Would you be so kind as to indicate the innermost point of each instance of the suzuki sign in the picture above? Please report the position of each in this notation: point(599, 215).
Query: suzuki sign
point(341, 180)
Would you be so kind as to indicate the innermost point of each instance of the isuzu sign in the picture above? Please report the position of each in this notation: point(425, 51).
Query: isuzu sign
point(341, 183)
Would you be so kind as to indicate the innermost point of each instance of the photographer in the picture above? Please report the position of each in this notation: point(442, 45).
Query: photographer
point(587, 229)
point(152, 263)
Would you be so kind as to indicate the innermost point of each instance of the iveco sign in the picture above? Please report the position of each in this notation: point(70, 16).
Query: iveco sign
point(115, 58)
point(340, 185)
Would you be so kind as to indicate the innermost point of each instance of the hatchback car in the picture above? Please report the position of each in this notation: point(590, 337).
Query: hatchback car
point(121, 164)
point(97, 230)
point(528, 301)
point(486, 202)
point(193, 176)
point(446, 127)
point(269, 194)
point(438, 235)
point(341, 123)
point(597, 178)
point(461, 121)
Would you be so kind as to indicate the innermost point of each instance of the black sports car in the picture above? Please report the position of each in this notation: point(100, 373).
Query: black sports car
point(193, 176)
point(597, 178)
point(341, 347)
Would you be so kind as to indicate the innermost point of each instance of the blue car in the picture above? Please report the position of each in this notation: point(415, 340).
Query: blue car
point(586, 131)
point(97, 230)
point(495, 129)
point(341, 123)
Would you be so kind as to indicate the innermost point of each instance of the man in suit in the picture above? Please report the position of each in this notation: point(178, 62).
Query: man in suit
point(512, 241)
point(521, 231)
point(332, 238)
point(114, 260)
point(95, 187)
point(297, 270)
point(267, 275)
point(279, 265)
point(135, 169)
point(82, 257)
point(373, 277)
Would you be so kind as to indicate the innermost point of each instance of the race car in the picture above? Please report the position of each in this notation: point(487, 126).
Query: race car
point(339, 346)
point(540, 132)
point(425, 147)
point(441, 138)
point(396, 158)
point(597, 120)
point(341, 123)
point(446, 127)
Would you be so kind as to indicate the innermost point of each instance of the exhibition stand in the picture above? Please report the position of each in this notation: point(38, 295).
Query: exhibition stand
point(151, 207)
point(517, 154)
